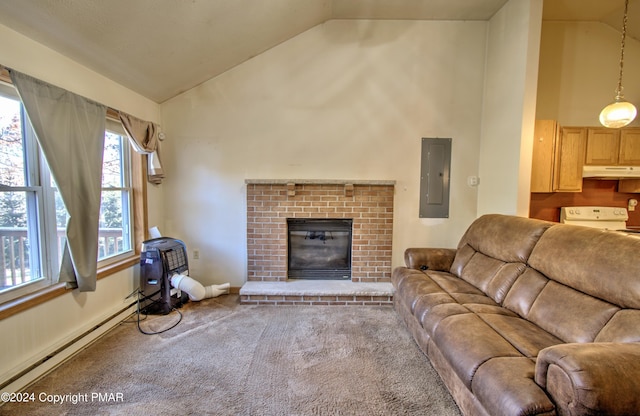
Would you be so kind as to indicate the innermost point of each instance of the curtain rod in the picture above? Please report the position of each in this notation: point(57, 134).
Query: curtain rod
point(6, 77)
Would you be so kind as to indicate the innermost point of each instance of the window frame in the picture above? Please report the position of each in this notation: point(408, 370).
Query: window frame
point(138, 200)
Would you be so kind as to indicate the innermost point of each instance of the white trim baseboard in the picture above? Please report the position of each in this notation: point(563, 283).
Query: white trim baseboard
point(49, 362)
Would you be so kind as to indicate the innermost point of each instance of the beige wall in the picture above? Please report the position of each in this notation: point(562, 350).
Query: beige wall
point(351, 100)
point(509, 109)
point(345, 100)
point(31, 335)
point(579, 72)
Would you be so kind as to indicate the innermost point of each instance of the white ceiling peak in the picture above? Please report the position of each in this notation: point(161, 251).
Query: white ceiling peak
point(160, 48)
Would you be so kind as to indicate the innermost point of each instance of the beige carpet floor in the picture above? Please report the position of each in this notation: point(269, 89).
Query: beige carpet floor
point(230, 359)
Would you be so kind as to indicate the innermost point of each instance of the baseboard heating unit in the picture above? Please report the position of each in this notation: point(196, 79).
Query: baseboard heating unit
point(51, 360)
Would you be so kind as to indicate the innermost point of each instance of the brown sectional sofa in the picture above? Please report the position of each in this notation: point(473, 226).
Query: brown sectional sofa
point(528, 317)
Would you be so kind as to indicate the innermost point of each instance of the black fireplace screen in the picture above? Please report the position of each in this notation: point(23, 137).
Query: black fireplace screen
point(319, 248)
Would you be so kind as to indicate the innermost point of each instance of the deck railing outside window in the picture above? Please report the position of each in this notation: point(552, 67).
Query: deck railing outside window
point(14, 252)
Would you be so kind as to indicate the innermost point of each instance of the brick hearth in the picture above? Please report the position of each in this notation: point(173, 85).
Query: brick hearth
point(317, 292)
point(368, 203)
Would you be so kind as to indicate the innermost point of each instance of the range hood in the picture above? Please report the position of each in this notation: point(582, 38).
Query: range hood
point(611, 172)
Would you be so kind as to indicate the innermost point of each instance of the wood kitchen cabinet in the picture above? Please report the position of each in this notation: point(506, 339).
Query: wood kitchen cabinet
point(610, 147)
point(558, 157)
point(629, 147)
point(569, 159)
point(544, 145)
point(603, 146)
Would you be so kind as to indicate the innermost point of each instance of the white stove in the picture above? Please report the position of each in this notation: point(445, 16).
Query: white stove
point(606, 218)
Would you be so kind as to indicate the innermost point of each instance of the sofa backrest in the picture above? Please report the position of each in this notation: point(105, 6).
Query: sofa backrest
point(494, 250)
point(599, 263)
point(583, 285)
point(579, 284)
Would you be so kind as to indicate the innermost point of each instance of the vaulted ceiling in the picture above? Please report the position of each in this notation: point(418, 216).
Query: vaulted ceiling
point(160, 48)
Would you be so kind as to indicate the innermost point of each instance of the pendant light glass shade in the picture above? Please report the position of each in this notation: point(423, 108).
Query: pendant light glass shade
point(620, 112)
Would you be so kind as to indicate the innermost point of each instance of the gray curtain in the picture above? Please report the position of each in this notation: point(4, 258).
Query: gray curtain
point(70, 131)
point(143, 136)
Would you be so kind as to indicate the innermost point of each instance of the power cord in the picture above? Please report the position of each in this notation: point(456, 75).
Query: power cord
point(139, 312)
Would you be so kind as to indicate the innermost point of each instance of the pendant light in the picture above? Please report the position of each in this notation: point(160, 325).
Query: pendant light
point(620, 112)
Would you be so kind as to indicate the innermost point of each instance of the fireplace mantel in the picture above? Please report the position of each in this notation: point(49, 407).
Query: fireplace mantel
point(320, 182)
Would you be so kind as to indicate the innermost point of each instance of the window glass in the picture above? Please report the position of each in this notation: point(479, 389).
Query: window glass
point(12, 171)
point(17, 264)
point(33, 217)
point(115, 225)
point(20, 228)
point(112, 169)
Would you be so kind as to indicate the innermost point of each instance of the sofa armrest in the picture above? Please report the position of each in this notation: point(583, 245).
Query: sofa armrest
point(591, 378)
point(429, 258)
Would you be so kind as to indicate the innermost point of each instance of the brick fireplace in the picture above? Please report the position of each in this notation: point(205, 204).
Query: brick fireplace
point(369, 204)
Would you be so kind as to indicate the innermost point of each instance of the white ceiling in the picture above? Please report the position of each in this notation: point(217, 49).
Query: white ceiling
point(161, 48)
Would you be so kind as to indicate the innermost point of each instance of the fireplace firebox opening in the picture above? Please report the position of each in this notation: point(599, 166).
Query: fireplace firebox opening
point(319, 248)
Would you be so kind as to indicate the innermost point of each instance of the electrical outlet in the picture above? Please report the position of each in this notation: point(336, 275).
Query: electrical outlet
point(473, 180)
point(196, 254)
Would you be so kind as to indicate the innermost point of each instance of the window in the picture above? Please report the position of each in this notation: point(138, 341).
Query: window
point(23, 235)
point(115, 235)
point(32, 215)
point(116, 225)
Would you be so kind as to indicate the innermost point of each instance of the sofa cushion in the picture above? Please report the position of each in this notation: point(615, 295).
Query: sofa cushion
point(451, 290)
point(525, 291)
point(424, 303)
point(472, 298)
point(504, 237)
point(467, 341)
point(479, 308)
point(437, 313)
point(602, 264)
point(451, 284)
point(624, 326)
point(525, 336)
point(414, 285)
point(401, 273)
point(502, 282)
point(464, 253)
point(506, 386)
point(480, 269)
point(568, 314)
point(493, 277)
point(493, 252)
point(447, 298)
